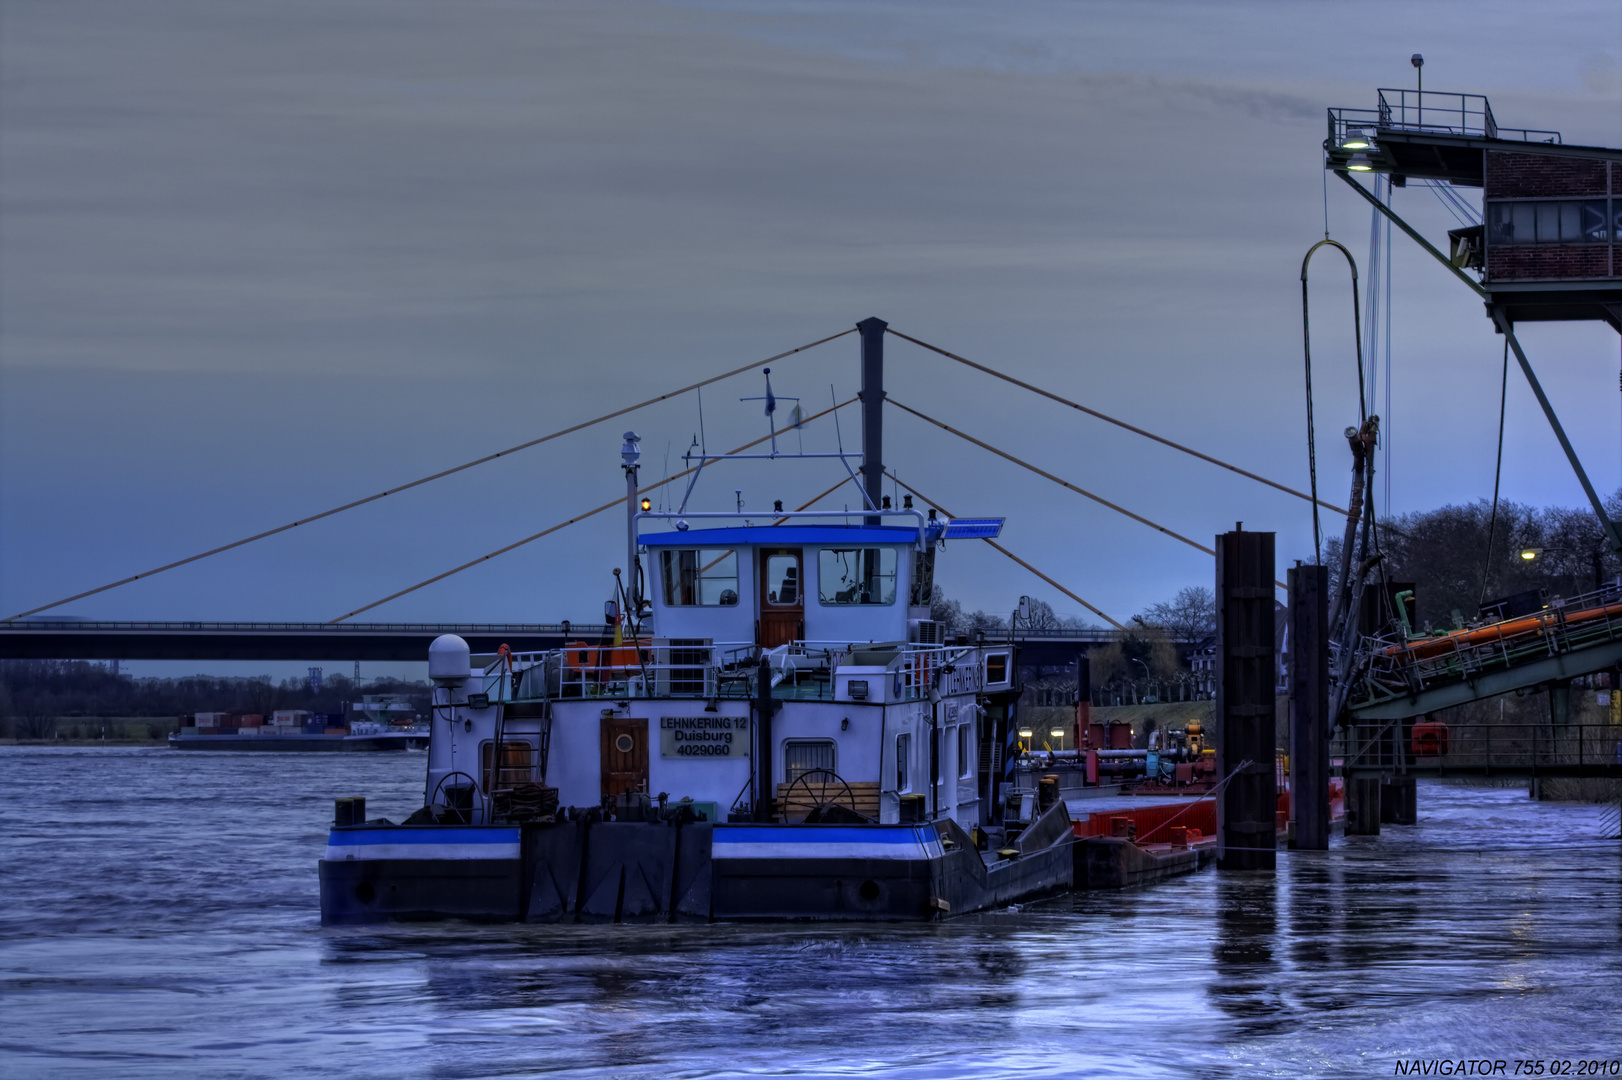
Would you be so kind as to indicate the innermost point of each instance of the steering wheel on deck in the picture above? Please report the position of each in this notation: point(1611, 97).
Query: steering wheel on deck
point(472, 788)
point(799, 781)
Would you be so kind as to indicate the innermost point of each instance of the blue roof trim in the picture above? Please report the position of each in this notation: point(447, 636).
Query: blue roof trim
point(974, 528)
point(826, 535)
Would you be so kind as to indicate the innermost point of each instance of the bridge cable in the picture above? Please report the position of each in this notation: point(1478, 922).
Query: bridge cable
point(428, 479)
point(564, 524)
point(1060, 481)
point(1049, 476)
point(1112, 420)
point(1010, 554)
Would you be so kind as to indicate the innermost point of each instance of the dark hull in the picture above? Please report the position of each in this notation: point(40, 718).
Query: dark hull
point(654, 872)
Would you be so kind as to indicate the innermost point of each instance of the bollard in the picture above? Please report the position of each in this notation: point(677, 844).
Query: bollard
point(349, 811)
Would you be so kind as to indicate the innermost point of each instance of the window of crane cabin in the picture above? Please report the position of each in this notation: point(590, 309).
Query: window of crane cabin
point(699, 577)
point(856, 575)
point(1548, 221)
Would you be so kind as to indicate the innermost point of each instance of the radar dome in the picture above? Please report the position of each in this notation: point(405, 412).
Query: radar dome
point(449, 659)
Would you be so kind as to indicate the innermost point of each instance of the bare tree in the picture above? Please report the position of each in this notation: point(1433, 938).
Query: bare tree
point(1188, 616)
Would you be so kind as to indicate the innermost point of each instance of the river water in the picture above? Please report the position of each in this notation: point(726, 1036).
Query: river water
point(158, 917)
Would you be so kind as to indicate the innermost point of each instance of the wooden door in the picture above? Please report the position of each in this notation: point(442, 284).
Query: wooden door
point(624, 755)
point(782, 596)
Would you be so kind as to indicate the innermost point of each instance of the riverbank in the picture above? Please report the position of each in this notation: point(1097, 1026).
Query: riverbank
point(88, 730)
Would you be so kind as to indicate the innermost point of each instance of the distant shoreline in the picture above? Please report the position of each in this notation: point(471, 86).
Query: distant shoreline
point(85, 742)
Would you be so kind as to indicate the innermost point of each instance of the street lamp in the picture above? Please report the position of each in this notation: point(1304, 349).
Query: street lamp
point(1531, 553)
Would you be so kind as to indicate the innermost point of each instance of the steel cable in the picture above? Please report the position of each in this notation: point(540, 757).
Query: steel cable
point(1010, 554)
point(427, 479)
point(564, 524)
point(1497, 473)
point(1306, 345)
point(1112, 420)
point(1059, 480)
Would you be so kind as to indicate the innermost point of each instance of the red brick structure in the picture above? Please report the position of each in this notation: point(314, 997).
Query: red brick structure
point(1550, 218)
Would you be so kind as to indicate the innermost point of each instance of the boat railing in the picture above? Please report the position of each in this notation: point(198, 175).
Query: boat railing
point(701, 668)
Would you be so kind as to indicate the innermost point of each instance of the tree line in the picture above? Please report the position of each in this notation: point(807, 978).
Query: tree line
point(1461, 556)
point(34, 694)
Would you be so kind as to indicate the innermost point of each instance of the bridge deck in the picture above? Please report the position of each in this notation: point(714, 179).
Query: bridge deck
point(74, 639)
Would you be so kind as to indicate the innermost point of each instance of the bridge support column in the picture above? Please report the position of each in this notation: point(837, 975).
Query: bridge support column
point(1363, 805)
point(1247, 811)
point(1399, 801)
point(1309, 707)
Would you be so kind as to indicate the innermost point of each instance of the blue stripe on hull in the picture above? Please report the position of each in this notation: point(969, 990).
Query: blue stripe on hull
point(825, 842)
point(425, 843)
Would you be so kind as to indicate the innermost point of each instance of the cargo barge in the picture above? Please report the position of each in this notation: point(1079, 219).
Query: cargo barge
point(293, 731)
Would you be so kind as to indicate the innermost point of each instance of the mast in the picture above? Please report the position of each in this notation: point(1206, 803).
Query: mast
point(630, 454)
point(872, 331)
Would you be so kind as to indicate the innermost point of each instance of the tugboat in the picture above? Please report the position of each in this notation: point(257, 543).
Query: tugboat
point(769, 727)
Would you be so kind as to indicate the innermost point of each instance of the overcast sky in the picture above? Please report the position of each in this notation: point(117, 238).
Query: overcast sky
point(260, 259)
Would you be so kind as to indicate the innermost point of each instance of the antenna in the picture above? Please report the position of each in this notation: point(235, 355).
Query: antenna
point(771, 409)
point(703, 448)
point(867, 501)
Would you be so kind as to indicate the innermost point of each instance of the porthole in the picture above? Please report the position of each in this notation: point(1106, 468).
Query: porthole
point(624, 744)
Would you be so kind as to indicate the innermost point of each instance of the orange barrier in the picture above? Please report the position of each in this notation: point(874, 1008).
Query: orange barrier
point(602, 660)
point(1154, 823)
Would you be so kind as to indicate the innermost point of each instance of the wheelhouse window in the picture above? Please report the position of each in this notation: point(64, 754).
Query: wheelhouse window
point(965, 752)
point(856, 575)
point(783, 580)
point(903, 751)
point(1550, 221)
point(801, 756)
point(699, 577)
